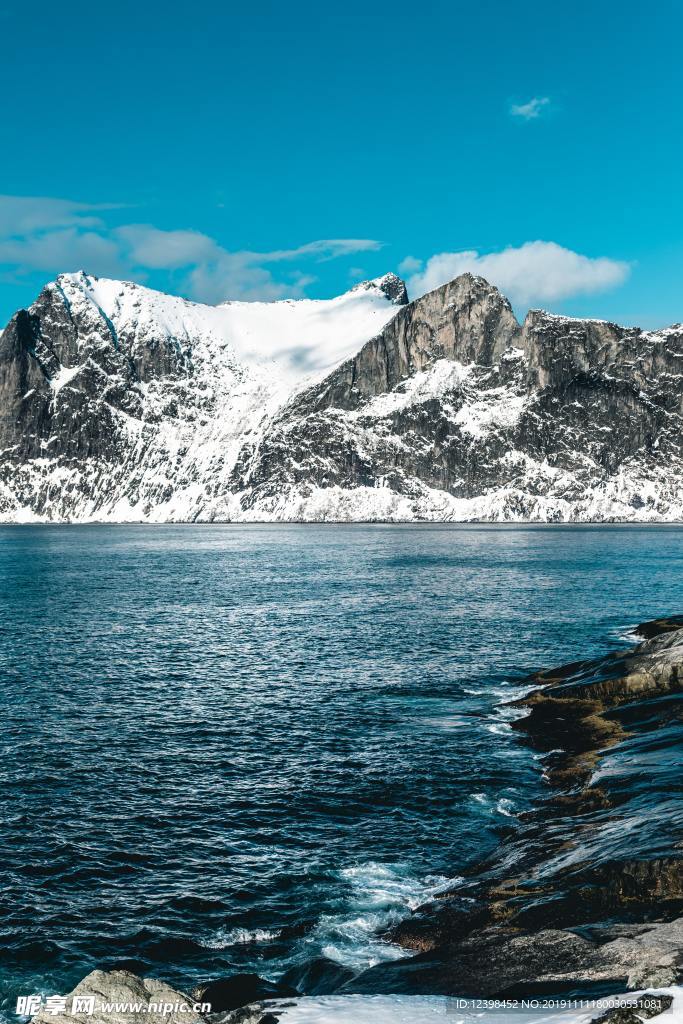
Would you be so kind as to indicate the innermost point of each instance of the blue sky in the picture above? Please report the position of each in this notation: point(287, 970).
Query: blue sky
point(293, 148)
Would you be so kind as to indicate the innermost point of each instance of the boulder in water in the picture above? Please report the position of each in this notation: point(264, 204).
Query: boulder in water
point(239, 990)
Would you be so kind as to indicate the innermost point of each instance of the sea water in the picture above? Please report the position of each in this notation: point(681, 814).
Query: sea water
point(231, 748)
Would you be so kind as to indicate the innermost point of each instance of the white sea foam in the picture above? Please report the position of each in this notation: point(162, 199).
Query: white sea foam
point(629, 635)
point(502, 729)
point(507, 692)
point(224, 938)
point(379, 895)
point(504, 805)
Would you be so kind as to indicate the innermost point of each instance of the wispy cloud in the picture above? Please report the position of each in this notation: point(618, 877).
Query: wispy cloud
point(147, 246)
point(66, 248)
point(532, 109)
point(325, 249)
point(532, 273)
point(20, 215)
point(55, 235)
point(409, 265)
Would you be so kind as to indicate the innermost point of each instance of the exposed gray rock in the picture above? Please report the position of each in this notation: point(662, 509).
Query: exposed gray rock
point(556, 419)
point(467, 321)
point(500, 963)
point(113, 993)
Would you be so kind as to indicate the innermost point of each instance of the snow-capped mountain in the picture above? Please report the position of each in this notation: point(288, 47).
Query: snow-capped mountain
point(118, 403)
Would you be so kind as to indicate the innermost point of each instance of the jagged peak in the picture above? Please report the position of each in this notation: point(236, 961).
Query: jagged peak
point(464, 286)
point(83, 281)
point(390, 284)
point(75, 277)
point(395, 288)
point(544, 314)
point(537, 318)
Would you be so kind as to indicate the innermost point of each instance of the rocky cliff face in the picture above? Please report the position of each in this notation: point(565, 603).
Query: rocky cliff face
point(117, 403)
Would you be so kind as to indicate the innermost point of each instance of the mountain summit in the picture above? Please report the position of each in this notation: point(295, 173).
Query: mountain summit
point(118, 403)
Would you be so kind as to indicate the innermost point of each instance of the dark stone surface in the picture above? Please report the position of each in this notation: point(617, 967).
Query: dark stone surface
point(239, 990)
point(649, 1005)
point(656, 627)
point(317, 977)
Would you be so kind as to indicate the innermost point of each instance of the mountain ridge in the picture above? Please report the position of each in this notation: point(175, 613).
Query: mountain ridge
point(118, 403)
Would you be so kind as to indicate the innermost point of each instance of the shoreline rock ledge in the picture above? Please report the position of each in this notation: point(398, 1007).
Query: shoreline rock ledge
point(586, 894)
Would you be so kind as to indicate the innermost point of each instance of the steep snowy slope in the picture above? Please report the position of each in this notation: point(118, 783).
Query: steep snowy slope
point(118, 403)
point(291, 337)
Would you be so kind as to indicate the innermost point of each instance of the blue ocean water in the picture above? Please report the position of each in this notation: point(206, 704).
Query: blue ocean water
point(230, 748)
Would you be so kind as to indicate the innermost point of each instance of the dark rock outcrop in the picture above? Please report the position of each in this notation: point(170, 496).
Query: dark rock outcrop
point(239, 990)
point(317, 977)
point(647, 1006)
point(507, 963)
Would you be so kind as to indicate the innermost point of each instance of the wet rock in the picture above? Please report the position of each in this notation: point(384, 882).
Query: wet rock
point(239, 990)
point(647, 1006)
point(588, 889)
point(443, 921)
point(655, 627)
point(500, 963)
point(317, 977)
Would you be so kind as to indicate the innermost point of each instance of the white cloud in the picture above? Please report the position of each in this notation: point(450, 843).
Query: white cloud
point(409, 265)
point(20, 215)
point(165, 250)
point(532, 109)
point(535, 272)
point(234, 275)
point(64, 249)
point(246, 275)
point(324, 249)
point(216, 274)
point(56, 235)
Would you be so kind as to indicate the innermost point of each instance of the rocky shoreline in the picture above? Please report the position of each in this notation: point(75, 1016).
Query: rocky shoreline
point(582, 899)
point(587, 894)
